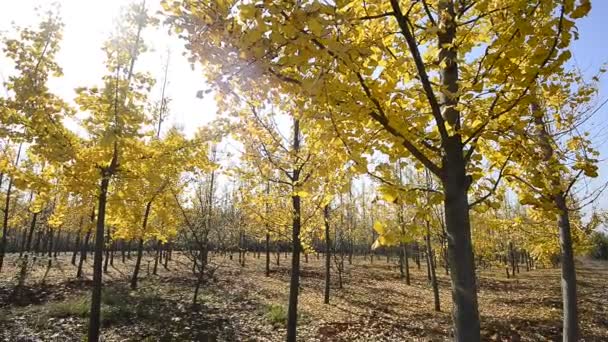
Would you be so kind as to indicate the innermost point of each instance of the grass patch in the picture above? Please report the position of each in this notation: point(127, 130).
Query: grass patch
point(276, 315)
point(76, 307)
point(118, 306)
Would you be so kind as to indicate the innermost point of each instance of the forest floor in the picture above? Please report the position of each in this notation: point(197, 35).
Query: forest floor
point(241, 304)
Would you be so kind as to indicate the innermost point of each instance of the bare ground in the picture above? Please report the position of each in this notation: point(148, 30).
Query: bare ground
point(373, 305)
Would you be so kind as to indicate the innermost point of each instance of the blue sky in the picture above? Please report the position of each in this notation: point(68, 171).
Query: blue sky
point(590, 52)
point(591, 49)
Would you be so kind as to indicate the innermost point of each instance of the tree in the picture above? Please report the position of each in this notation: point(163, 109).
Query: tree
point(33, 114)
point(198, 214)
point(557, 109)
point(114, 127)
point(301, 173)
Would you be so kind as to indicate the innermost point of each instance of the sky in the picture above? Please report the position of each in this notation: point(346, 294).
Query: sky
point(590, 52)
point(89, 22)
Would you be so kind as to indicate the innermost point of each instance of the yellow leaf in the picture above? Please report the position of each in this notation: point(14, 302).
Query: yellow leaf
point(315, 26)
point(379, 227)
point(302, 193)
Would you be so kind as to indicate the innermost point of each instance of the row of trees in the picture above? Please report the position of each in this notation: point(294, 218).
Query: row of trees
point(444, 105)
point(472, 92)
point(117, 176)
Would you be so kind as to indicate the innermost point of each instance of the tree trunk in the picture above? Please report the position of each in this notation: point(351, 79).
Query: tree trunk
point(140, 247)
point(28, 243)
point(156, 259)
point(460, 250)
point(199, 281)
point(113, 249)
point(26, 233)
point(570, 324)
point(22, 241)
point(160, 252)
point(350, 253)
point(107, 258)
point(340, 269)
point(83, 253)
point(428, 265)
point(6, 211)
point(123, 253)
point(404, 264)
point(167, 256)
point(327, 254)
point(95, 315)
point(77, 243)
point(49, 255)
point(568, 283)
point(294, 285)
point(242, 250)
point(57, 244)
point(140, 252)
point(431, 264)
point(201, 272)
point(267, 254)
point(512, 257)
point(5, 222)
point(446, 263)
point(37, 244)
point(417, 256)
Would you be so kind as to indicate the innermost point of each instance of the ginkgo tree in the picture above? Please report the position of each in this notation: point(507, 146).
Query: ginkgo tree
point(553, 130)
point(297, 163)
point(114, 128)
point(154, 177)
point(31, 115)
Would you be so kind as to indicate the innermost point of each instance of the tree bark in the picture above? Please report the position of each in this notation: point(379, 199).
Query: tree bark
point(57, 244)
point(95, 315)
point(107, 245)
point(83, 253)
point(267, 254)
point(201, 272)
point(404, 265)
point(156, 259)
point(431, 263)
point(512, 257)
point(167, 255)
point(294, 285)
point(28, 243)
point(140, 252)
point(49, 255)
point(140, 247)
point(465, 313)
point(327, 254)
point(77, 243)
point(568, 282)
point(417, 255)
